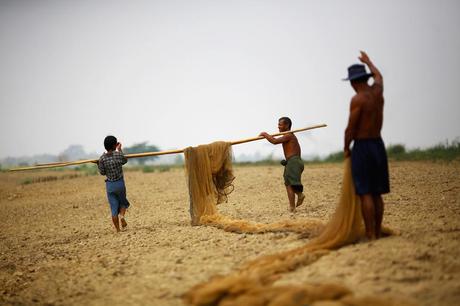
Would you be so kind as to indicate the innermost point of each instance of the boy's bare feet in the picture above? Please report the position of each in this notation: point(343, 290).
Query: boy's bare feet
point(124, 224)
point(300, 198)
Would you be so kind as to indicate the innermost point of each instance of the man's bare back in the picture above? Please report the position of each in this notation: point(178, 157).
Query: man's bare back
point(370, 104)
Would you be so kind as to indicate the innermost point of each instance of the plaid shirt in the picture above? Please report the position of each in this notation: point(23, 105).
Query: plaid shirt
point(110, 164)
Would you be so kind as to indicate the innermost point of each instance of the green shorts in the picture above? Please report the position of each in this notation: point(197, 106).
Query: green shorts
point(293, 173)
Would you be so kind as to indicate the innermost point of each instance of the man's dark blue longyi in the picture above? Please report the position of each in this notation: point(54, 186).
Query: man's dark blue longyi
point(369, 166)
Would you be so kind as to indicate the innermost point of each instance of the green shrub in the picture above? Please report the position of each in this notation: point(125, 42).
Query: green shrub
point(395, 150)
point(148, 169)
point(27, 181)
point(88, 169)
point(164, 168)
point(334, 157)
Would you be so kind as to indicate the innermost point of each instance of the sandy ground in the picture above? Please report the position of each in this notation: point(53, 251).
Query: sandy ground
point(58, 247)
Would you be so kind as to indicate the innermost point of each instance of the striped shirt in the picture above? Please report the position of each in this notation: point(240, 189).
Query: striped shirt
point(110, 164)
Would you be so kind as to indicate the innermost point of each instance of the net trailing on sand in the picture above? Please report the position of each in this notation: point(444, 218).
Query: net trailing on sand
point(210, 177)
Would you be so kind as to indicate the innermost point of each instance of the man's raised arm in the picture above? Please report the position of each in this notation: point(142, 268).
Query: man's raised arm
point(378, 78)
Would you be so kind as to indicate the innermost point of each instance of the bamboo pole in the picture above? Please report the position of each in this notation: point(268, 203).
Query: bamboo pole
point(146, 154)
point(278, 134)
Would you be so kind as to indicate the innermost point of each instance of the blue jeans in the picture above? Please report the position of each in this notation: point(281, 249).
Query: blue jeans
point(116, 194)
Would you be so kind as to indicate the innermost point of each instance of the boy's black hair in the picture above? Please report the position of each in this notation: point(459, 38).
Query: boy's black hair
point(110, 143)
point(287, 120)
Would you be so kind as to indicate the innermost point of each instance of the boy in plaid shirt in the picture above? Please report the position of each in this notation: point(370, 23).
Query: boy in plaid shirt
point(110, 164)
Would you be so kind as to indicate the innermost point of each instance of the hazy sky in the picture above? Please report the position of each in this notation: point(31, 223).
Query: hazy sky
point(180, 73)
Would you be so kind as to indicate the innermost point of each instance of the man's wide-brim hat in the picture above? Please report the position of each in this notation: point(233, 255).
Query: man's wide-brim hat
point(357, 71)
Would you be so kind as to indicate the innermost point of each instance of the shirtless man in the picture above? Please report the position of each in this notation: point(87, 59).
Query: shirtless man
point(369, 163)
point(293, 165)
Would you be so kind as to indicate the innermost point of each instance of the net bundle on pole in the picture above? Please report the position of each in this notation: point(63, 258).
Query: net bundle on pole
point(209, 177)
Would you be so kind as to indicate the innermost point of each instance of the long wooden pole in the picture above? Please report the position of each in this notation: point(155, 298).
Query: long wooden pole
point(137, 155)
point(278, 134)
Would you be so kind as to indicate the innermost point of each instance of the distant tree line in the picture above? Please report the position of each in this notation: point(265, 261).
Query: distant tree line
point(142, 147)
point(443, 151)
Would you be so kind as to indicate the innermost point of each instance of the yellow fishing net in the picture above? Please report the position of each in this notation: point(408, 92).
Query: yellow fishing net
point(209, 177)
point(210, 180)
